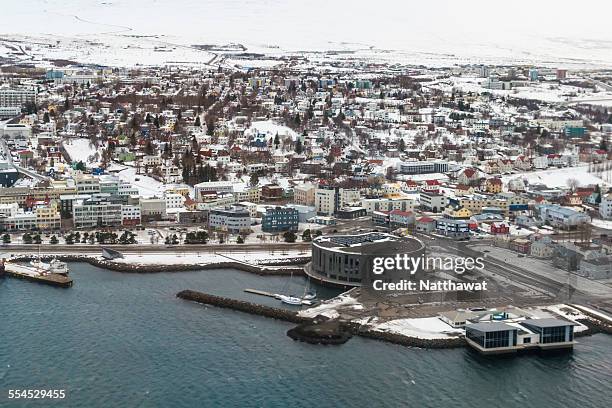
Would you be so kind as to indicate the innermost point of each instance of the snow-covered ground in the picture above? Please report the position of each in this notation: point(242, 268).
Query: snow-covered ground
point(147, 186)
point(126, 32)
point(271, 129)
point(605, 224)
point(559, 177)
point(422, 328)
point(82, 150)
point(205, 257)
point(330, 307)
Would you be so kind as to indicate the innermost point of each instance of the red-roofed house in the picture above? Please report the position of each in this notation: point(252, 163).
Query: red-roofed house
point(432, 186)
point(523, 163)
point(398, 218)
point(468, 176)
point(410, 186)
point(500, 228)
point(426, 224)
point(600, 155)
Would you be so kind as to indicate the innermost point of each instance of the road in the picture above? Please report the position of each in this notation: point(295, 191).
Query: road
point(6, 152)
point(96, 249)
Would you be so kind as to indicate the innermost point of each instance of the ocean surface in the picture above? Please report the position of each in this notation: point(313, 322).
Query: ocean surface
point(125, 340)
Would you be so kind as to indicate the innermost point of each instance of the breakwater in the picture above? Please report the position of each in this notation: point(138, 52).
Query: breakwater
point(146, 268)
point(242, 306)
point(317, 330)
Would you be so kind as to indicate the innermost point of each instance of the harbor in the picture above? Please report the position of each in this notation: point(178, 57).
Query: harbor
point(187, 342)
point(54, 273)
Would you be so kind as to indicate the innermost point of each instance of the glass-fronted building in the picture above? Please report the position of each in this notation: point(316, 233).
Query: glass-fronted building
point(491, 337)
point(553, 332)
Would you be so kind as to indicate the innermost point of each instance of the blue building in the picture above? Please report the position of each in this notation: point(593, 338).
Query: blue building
point(574, 131)
point(280, 219)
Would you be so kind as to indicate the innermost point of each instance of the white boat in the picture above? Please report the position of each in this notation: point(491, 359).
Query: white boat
point(24, 269)
point(309, 295)
point(290, 300)
point(55, 266)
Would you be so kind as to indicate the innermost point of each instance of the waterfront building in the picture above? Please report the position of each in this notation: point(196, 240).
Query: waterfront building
point(130, 215)
point(233, 219)
point(495, 337)
point(280, 219)
point(97, 211)
point(153, 209)
point(346, 260)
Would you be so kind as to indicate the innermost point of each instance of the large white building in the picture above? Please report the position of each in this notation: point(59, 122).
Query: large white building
point(17, 97)
point(605, 207)
point(235, 219)
point(328, 199)
point(422, 167)
point(213, 186)
point(99, 210)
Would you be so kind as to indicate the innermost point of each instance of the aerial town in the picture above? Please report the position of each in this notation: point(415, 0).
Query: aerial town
point(306, 159)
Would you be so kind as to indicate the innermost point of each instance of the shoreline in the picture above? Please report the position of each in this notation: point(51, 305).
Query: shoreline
point(286, 269)
point(594, 326)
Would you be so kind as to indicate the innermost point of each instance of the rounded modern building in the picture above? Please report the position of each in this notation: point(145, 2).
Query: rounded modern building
point(347, 260)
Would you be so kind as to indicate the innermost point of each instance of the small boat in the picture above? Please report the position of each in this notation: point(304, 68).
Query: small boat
point(310, 296)
point(55, 266)
point(290, 300)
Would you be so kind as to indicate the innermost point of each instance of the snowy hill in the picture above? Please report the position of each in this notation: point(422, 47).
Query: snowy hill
point(437, 32)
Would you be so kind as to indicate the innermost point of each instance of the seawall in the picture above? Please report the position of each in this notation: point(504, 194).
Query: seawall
point(293, 317)
point(242, 306)
point(144, 268)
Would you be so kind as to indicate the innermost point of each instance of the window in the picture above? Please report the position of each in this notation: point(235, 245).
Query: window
point(553, 334)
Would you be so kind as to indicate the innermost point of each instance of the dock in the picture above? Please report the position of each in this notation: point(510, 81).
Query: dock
point(261, 292)
point(53, 279)
point(277, 296)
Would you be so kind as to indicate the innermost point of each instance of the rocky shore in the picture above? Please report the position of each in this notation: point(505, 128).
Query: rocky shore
point(242, 306)
point(317, 330)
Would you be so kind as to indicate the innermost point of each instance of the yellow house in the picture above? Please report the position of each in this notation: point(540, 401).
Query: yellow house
point(494, 185)
point(459, 212)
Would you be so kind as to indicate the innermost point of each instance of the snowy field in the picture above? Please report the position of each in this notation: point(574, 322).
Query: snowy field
point(271, 129)
point(82, 150)
point(122, 32)
point(558, 177)
point(147, 186)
